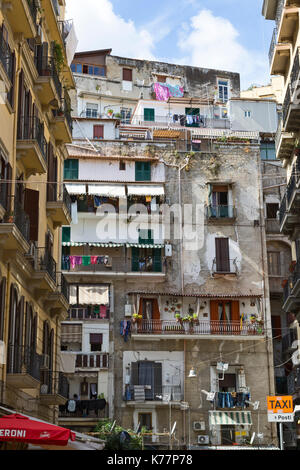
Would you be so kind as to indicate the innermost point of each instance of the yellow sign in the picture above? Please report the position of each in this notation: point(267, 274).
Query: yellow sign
point(283, 404)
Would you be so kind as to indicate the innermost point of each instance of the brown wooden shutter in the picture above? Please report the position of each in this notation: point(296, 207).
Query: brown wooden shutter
point(31, 207)
point(98, 131)
point(134, 376)
point(214, 316)
point(235, 316)
point(84, 388)
point(157, 375)
point(21, 96)
point(127, 75)
point(222, 255)
point(276, 326)
point(96, 338)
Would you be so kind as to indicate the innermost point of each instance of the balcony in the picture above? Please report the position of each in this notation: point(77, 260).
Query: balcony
point(44, 276)
point(293, 382)
point(288, 343)
point(59, 298)
point(22, 16)
point(285, 142)
point(89, 410)
point(162, 394)
point(220, 213)
point(290, 204)
point(31, 145)
point(58, 205)
point(15, 229)
point(23, 367)
point(229, 266)
point(54, 388)
point(168, 122)
point(6, 63)
point(4, 199)
point(87, 313)
point(62, 121)
point(49, 87)
point(291, 292)
point(95, 360)
point(206, 329)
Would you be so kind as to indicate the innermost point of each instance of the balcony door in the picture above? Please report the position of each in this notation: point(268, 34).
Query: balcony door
point(219, 201)
point(222, 255)
point(225, 317)
point(151, 322)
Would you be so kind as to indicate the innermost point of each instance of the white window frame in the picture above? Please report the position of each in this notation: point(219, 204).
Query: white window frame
point(221, 95)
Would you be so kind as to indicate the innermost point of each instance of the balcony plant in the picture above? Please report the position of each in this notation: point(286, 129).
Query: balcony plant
point(136, 317)
point(58, 56)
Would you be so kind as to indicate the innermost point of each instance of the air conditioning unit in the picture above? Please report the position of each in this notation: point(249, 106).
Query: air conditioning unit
point(168, 250)
point(44, 389)
point(45, 361)
point(128, 310)
point(199, 425)
point(202, 440)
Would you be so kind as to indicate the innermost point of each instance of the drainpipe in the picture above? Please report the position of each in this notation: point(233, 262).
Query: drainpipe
point(266, 303)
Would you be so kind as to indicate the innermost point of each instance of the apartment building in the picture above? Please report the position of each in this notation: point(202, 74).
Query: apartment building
point(180, 307)
point(35, 126)
point(284, 61)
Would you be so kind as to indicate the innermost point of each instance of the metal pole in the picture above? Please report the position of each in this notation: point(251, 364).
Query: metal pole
point(281, 436)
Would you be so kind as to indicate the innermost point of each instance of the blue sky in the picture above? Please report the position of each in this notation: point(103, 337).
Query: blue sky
point(218, 34)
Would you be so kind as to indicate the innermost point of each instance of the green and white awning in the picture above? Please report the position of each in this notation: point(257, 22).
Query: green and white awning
point(236, 418)
point(102, 245)
point(143, 245)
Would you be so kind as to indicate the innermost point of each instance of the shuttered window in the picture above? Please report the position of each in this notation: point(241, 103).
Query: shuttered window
point(146, 236)
point(71, 169)
point(2, 307)
point(127, 75)
point(96, 341)
point(98, 132)
point(222, 255)
point(142, 171)
point(31, 207)
point(66, 234)
point(149, 114)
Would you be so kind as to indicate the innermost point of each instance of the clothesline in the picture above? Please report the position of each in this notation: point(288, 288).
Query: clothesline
point(72, 261)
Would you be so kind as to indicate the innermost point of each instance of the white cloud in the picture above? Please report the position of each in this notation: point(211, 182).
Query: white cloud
point(99, 27)
point(213, 42)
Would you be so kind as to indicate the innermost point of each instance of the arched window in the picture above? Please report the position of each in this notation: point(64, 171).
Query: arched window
point(15, 335)
point(2, 306)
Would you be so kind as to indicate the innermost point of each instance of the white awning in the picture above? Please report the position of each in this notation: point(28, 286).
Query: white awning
point(76, 188)
point(93, 295)
point(236, 418)
point(145, 190)
point(108, 190)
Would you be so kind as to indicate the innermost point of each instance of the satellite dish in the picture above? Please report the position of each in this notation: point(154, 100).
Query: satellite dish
point(173, 428)
point(252, 438)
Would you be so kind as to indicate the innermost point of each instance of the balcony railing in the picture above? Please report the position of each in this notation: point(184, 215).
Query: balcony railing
point(282, 209)
point(53, 195)
point(86, 409)
point(288, 340)
point(273, 44)
point(213, 327)
point(54, 383)
point(293, 381)
point(286, 104)
point(19, 218)
point(4, 192)
point(168, 121)
point(294, 77)
point(92, 360)
point(65, 110)
point(88, 313)
point(44, 261)
point(161, 393)
point(63, 285)
point(30, 128)
point(220, 211)
point(33, 10)
point(6, 57)
point(22, 359)
point(46, 68)
point(229, 267)
point(105, 263)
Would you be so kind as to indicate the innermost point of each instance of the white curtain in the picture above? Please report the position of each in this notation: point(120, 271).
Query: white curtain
point(93, 295)
point(73, 295)
point(74, 213)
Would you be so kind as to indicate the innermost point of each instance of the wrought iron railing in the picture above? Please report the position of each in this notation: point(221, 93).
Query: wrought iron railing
point(88, 313)
point(44, 261)
point(6, 56)
point(63, 285)
point(21, 219)
point(4, 192)
point(30, 128)
point(283, 209)
point(272, 45)
point(162, 393)
point(286, 104)
point(22, 359)
point(96, 408)
point(46, 68)
point(196, 327)
point(53, 195)
point(220, 211)
point(54, 383)
point(294, 77)
point(224, 267)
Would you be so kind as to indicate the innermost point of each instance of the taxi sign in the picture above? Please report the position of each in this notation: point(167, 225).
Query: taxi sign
point(280, 409)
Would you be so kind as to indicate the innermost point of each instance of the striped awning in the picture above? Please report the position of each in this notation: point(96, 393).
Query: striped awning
point(97, 244)
point(219, 418)
point(142, 245)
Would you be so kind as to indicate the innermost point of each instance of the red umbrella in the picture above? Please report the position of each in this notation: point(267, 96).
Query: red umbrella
point(19, 428)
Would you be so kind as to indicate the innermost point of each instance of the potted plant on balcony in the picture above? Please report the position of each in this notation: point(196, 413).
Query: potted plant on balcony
point(110, 112)
point(10, 217)
point(178, 318)
point(136, 317)
point(58, 57)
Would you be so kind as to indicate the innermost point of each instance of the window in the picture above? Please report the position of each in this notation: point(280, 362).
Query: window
point(88, 69)
point(145, 420)
point(247, 114)
point(276, 326)
point(222, 255)
point(142, 171)
point(267, 151)
point(98, 132)
point(127, 75)
point(71, 169)
point(218, 201)
point(149, 114)
point(96, 341)
point(146, 260)
point(272, 210)
point(125, 115)
point(122, 166)
point(223, 89)
point(274, 263)
point(91, 110)
point(147, 373)
point(66, 234)
point(161, 78)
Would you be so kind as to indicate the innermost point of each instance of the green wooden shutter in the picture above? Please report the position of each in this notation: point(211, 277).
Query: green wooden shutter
point(149, 114)
point(66, 234)
point(146, 236)
point(157, 265)
point(135, 259)
point(71, 169)
point(142, 171)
